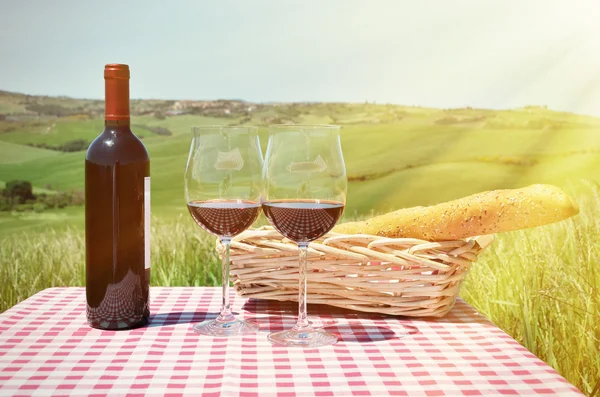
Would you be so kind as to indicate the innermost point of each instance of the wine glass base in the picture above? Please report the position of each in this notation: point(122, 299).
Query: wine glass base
point(226, 329)
point(306, 338)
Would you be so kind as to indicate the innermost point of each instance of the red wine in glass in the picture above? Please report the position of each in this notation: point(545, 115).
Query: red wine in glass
point(304, 186)
point(223, 195)
point(303, 220)
point(224, 217)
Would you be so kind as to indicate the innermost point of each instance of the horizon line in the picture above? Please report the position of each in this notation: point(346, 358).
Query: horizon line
point(365, 102)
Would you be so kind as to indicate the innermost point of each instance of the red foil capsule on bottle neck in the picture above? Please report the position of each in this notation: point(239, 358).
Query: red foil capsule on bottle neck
point(116, 94)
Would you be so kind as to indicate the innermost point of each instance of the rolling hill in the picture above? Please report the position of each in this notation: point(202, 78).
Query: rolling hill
point(396, 156)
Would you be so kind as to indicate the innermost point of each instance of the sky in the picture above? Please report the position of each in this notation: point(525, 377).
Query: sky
point(479, 53)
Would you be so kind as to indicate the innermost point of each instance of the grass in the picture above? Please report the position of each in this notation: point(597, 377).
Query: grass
point(182, 255)
point(13, 153)
point(542, 286)
point(32, 223)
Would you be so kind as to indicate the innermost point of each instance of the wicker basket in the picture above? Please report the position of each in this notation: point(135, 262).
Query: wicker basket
point(402, 276)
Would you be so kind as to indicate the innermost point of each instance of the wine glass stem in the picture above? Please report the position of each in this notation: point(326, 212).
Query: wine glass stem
point(225, 315)
point(302, 322)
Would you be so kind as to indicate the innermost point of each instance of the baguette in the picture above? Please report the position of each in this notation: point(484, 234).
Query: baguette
point(482, 213)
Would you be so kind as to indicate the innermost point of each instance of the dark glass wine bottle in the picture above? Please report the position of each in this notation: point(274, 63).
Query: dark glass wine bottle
point(117, 215)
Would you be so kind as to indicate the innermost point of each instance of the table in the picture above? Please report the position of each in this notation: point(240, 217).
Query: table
point(46, 348)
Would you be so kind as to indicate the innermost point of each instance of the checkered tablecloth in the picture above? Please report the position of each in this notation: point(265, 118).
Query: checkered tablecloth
point(46, 348)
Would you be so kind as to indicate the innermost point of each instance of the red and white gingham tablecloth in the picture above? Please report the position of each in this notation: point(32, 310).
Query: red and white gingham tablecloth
point(46, 348)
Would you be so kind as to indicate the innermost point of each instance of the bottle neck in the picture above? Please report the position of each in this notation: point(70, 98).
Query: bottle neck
point(116, 96)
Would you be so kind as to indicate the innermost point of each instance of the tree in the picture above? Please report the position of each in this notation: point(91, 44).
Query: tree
point(19, 191)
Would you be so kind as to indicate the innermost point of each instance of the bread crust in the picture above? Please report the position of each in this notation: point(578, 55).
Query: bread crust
point(483, 213)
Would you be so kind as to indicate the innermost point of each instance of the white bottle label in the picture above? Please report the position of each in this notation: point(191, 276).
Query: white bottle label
point(147, 222)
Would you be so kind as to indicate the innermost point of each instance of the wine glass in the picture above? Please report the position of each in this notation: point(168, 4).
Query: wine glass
point(304, 193)
point(222, 189)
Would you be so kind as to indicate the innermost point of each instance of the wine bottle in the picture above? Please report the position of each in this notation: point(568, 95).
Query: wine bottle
point(117, 215)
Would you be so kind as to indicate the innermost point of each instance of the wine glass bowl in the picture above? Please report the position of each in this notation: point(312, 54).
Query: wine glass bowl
point(304, 194)
point(303, 220)
point(222, 190)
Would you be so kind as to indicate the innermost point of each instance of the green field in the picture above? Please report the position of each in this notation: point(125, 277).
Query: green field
point(539, 285)
point(396, 156)
point(12, 153)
